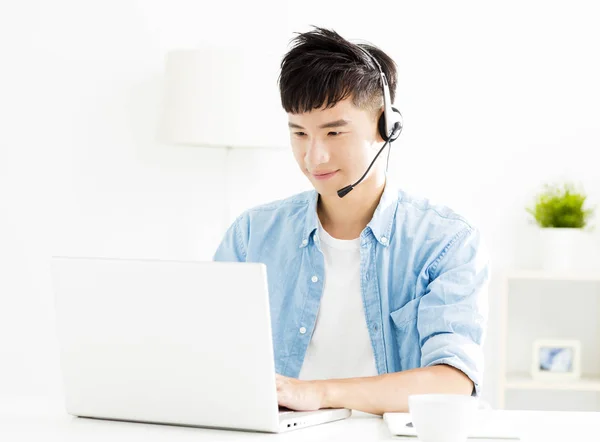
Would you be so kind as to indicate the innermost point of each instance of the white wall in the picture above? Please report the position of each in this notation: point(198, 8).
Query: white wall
point(497, 97)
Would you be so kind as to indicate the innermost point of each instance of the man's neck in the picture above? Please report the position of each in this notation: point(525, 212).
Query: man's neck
point(346, 218)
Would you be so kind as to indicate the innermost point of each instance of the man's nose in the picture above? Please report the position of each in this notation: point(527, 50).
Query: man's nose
point(316, 153)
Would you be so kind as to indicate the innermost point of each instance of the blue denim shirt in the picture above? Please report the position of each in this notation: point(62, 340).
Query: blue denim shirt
point(424, 279)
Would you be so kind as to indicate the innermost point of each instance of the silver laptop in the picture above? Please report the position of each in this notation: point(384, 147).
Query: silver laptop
point(170, 342)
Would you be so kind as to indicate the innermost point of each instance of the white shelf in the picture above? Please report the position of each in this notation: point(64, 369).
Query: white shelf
point(553, 276)
point(526, 382)
point(559, 320)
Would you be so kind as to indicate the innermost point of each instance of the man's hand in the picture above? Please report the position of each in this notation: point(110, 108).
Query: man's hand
point(299, 395)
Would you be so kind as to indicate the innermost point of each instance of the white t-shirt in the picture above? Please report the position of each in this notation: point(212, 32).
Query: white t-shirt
point(340, 346)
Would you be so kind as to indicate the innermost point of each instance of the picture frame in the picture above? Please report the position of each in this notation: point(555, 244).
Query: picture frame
point(556, 359)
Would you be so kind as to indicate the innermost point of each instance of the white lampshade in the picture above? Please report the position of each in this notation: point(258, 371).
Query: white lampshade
point(223, 97)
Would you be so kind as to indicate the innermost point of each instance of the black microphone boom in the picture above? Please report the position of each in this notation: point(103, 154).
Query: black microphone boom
point(346, 190)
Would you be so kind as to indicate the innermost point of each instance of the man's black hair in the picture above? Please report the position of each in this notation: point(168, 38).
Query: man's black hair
point(322, 68)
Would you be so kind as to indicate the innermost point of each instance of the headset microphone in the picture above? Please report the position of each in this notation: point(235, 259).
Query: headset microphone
point(346, 190)
point(389, 124)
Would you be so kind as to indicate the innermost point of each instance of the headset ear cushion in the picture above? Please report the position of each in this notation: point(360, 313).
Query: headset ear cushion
point(381, 124)
point(381, 127)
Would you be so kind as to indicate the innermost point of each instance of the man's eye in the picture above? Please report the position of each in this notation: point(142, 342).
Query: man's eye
point(333, 134)
point(300, 134)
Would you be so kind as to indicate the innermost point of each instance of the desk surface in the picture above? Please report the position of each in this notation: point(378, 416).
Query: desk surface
point(28, 419)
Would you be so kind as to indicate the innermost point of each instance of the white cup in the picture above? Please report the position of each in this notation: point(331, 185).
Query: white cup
point(443, 417)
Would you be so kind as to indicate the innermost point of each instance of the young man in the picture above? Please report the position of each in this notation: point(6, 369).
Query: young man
point(375, 295)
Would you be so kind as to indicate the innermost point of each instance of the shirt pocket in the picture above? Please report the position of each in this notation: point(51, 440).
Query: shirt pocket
point(407, 335)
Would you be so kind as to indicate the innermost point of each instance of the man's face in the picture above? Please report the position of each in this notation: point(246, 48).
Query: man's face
point(334, 147)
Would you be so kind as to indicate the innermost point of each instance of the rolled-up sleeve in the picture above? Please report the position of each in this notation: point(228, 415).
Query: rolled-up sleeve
point(453, 312)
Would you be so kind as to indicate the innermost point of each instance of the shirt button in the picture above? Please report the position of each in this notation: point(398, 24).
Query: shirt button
point(302, 330)
point(314, 278)
point(304, 242)
point(384, 240)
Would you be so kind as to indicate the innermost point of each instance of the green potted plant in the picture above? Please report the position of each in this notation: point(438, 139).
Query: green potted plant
point(563, 220)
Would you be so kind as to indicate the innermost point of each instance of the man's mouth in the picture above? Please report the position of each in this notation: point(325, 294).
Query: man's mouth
point(324, 175)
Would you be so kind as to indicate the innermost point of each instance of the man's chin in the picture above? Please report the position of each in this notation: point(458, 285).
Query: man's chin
point(327, 189)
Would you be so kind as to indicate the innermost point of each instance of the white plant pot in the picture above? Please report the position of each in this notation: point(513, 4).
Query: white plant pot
point(564, 249)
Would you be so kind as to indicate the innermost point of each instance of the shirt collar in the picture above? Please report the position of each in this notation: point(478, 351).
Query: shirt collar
point(312, 220)
point(383, 219)
point(381, 223)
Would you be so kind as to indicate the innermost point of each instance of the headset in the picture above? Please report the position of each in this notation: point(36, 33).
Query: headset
point(389, 124)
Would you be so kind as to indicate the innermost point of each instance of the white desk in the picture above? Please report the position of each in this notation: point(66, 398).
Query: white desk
point(34, 419)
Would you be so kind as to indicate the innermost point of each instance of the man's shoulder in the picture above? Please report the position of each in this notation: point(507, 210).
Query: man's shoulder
point(289, 203)
point(292, 206)
point(433, 229)
point(421, 210)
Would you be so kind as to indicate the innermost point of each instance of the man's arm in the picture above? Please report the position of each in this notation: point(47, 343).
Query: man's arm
point(233, 246)
point(389, 392)
point(376, 395)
